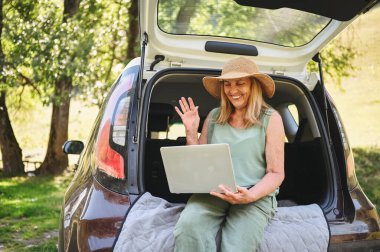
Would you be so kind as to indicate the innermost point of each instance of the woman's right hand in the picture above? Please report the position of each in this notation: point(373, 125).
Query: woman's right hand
point(189, 116)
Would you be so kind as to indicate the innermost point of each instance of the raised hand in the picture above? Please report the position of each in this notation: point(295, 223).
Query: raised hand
point(190, 117)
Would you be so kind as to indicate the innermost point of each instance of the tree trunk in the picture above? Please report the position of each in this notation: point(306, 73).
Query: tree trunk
point(133, 29)
point(184, 15)
point(56, 160)
point(10, 150)
point(70, 8)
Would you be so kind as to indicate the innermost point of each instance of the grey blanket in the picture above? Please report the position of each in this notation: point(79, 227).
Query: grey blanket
point(150, 223)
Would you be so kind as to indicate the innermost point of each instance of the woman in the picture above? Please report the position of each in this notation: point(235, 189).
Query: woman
point(255, 134)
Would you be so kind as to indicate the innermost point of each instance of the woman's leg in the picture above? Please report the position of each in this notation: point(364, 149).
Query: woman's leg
point(245, 225)
point(199, 222)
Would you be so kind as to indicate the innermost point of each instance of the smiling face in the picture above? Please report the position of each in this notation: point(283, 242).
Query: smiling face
point(238, 91)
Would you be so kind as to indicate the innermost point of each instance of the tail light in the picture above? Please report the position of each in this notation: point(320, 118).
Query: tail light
point(111, 145)
point(108, 159)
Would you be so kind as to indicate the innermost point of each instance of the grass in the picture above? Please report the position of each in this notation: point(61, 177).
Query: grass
point(367, 162)
point(29, 213)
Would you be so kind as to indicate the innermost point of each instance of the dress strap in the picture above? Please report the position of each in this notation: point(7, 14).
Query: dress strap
point(265, 115)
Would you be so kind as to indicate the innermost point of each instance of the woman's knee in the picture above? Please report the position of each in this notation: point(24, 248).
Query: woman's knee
point(238, 241)
point(189, 225)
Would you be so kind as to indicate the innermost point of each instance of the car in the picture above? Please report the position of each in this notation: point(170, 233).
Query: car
point(183, 41)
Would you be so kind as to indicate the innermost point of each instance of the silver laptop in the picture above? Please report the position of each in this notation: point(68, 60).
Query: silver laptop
point(198, 168)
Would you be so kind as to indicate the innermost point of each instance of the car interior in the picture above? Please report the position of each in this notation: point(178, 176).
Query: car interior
point(305, 166)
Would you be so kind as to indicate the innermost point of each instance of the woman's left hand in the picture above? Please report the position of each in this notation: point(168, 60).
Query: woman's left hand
point(242, 196)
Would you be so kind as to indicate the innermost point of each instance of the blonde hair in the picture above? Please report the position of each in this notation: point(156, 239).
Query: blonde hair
point(255, 106)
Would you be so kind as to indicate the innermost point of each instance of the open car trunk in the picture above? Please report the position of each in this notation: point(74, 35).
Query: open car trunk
point(306, 167)
point(305, 195)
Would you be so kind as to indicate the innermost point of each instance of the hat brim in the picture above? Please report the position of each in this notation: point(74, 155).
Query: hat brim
point(213, 83)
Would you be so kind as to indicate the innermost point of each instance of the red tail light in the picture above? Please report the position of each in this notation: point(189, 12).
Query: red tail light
point(108, 159)
point(111, 142)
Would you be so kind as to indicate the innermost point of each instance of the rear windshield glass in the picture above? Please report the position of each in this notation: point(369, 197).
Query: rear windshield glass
point(225, 18)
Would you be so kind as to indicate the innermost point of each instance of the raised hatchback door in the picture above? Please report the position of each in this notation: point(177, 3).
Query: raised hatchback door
point(205, 33)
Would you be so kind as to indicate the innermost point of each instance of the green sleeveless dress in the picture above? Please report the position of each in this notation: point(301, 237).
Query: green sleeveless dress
point(247, 147)
point(242, 225)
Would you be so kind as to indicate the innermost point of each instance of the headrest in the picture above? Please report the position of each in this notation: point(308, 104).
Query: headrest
point(159, 116)
point(161, 109)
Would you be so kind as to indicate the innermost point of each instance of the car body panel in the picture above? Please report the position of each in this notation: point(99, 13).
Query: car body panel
point(93, 216)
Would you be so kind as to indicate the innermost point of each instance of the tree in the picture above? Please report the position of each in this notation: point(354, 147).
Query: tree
point(336, 58)
point(133, 30)
point(116, 45)
point(101, 42)
point(10, 149)
point(55, 160)
point(74, 52)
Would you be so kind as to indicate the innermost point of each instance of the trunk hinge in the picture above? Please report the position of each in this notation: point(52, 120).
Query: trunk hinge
point(143, 46)
point(317, 59)
point(144, 42)
point(133, 184)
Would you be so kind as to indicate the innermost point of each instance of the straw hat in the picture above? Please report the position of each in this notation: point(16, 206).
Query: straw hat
point(239, 68)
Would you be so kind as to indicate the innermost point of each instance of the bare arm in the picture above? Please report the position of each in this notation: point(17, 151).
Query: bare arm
point(203, 136)
point(274, 152)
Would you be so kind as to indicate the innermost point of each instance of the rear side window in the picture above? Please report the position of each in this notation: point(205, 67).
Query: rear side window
point(111, 142)
point(294, 111)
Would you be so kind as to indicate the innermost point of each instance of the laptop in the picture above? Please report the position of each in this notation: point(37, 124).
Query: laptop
point(198, 168)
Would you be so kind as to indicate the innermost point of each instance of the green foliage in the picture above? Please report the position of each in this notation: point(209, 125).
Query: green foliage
point(42, 46)
point(108, 55)
point(30, 212)
point(49, 47)
point(337, 58)
point(20, 110)
point(12, 36)
point(367, 162)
